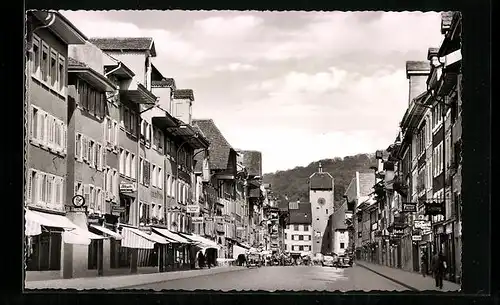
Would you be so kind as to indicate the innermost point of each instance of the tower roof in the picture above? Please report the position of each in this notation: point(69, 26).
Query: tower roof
point(320, 180)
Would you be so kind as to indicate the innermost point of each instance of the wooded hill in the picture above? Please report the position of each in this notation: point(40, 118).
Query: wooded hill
point(294, 182)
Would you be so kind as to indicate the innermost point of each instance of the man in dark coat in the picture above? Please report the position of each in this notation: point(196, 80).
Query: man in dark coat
point(438, 268)
point(424, 263)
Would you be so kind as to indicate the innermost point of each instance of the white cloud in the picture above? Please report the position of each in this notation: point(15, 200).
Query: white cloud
point(168, 44)
point(235, 66)
point(227, 26)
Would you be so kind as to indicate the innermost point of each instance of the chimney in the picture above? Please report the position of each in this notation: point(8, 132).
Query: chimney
point(417, 73)
point(320, 169)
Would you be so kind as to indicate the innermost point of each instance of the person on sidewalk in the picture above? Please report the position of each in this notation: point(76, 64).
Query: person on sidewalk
point(424, 263)
point(438, 268)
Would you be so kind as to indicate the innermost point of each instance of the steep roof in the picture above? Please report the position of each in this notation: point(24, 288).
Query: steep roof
point(302, 215)
point(366, 183)
point(219, 147)
point(125, 44)
point(321, 181)
point(184, 93)
point(166, 82)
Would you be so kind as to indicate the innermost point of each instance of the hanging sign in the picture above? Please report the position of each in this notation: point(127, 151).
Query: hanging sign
point(197, 219)
point(434, 208)
point(127, 187)
point(416, 237)
point(409, 207)
point(193, 208)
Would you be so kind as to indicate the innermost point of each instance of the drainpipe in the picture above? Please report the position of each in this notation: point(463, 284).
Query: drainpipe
point(115, 69)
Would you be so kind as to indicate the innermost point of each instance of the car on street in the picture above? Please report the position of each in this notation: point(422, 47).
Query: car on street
point(328, 261)
point(343, 261)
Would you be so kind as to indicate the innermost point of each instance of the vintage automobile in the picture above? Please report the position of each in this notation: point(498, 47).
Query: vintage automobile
point(343, 261)
point(253, 260)
point(328, 261)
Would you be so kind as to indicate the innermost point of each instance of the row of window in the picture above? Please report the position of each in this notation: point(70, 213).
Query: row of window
point(111, 184)
point(48, 66)
point(91, 100)
point(149, 211)
point(305, 228)
point(94, 197)
point(298, 248)
point(437, 160)
point(111, 132)
point(45, 190)
point(150, 174)
point(90, 151)
point(129, 119)
point(127, 164)
point(48, 131)
point(299, 237)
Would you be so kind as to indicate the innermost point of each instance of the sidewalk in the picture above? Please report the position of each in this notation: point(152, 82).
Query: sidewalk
point(124, 281)
point(412, 280)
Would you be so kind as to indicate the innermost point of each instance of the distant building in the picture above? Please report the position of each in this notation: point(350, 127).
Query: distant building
point(298, 232)
point(321, 188)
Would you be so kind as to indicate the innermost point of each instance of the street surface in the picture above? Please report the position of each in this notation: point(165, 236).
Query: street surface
point(283, 278)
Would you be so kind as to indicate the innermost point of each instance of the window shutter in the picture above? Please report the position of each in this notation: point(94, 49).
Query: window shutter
point(147, 173)
point(104, 158)
point(116, 133)
point(86, 194)
point(105, 128)
point(64, 135)
point(28, 187)
point(84, 148)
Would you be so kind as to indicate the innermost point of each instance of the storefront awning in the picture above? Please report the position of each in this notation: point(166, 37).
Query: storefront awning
point(176, 238)
point(207, 243)
point(80, 236)
point(34, 221)
point(107, 232)
point(137, 239)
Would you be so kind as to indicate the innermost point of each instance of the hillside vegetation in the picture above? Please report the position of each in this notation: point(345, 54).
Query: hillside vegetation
point(293, 182)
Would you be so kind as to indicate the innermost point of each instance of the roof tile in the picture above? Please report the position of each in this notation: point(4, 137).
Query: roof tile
point(302, 215)
point(75, 63)
point(184, 93)
point(321, 181)
point(219, 147)
point(125, 44)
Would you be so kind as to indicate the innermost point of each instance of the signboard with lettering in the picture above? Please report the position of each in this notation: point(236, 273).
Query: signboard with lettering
point(434, 208)
point(193, 208)
point(398, 231)
point(409, 207)
point(197, 219)
point(127, 187)
point(424, 225)
point(416, 237)
point(82, 209)
point(209, 219)
point(117, 209)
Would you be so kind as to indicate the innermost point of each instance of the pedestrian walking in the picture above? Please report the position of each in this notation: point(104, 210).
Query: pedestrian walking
point(438, 268)
point(424, 259)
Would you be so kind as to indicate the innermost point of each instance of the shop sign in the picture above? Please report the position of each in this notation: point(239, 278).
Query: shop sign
point(409, 207)
point(146, 229)
point(193, 208)
point(374, 226)
point(117, 209)
point(424, 225)
point(209, 219)
point(76, 209)
point(197, 219)
point(416, 237)
point(434, 208)
point(398, 231)
point(127, 187)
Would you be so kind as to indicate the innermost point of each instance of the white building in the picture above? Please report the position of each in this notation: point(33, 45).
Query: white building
point(298, 233)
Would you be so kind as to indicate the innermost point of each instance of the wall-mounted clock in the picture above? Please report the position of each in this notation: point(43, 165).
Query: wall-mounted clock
point(321, 201)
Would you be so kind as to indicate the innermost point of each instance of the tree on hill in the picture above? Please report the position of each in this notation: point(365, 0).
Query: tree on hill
point(293, 183)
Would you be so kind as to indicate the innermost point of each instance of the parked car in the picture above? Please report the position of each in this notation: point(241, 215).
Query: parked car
point(328, 261)
point(343, 261)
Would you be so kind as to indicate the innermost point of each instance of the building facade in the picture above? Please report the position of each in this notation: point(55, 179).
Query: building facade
point(299, 231)
point(321, 189)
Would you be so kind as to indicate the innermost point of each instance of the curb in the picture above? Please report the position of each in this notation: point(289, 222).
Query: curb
point(389, 278)
point(174, 279)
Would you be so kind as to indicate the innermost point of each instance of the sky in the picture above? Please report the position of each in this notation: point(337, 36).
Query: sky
point(297, 86)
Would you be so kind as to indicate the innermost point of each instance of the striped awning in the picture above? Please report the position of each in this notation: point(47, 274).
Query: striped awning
point(205, 242)
point(35, 220)
point(80, 236)
point(137, 239)
point(107, 232)
point(175, 237)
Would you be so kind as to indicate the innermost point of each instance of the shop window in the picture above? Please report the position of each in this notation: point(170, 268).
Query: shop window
point(119, 256)
point(45, 252)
